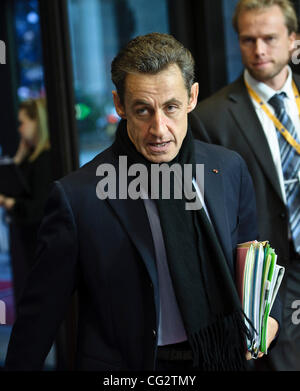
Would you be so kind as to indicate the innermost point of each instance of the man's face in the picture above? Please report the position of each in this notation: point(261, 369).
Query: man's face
point(156, 108)
point(265, 42)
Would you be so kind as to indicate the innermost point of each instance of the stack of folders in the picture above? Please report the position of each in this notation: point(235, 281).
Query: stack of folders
point(258, 278)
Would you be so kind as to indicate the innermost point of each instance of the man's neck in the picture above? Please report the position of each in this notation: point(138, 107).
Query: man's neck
point(278, 81)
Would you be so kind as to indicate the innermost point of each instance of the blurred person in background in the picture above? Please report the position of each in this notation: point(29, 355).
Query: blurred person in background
point(248, 116)
point(34, 162)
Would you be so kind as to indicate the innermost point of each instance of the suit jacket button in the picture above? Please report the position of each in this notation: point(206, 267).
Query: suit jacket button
point(154, 333)
point(283, 215)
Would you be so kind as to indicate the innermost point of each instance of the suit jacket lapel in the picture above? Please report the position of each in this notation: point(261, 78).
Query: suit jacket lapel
point(245, 116)
point(133, 216)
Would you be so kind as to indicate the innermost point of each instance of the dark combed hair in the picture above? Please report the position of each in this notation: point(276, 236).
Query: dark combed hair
point(151, 54)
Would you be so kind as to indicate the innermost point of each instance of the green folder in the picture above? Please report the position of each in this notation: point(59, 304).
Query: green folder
point(258, 278)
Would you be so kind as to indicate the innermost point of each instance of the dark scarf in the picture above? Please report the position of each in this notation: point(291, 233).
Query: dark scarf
point(203, 285)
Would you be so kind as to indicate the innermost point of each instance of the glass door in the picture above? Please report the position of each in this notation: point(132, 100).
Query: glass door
point(98, 29)
point(29, 80)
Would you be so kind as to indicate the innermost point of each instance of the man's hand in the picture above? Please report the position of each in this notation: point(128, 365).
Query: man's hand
point(272, 330)
point(7, 202)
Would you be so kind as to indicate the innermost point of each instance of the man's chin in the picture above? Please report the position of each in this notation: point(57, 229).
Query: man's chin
point(262, 75)
point(159, 159)
point(265, 75)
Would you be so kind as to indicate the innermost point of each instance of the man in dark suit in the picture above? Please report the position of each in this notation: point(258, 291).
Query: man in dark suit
point(245, 117)
point(154, 275)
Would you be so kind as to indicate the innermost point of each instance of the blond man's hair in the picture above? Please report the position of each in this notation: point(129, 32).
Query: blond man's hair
point(286, 6)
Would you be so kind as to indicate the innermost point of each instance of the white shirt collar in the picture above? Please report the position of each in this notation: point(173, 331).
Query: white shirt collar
point(266, 92)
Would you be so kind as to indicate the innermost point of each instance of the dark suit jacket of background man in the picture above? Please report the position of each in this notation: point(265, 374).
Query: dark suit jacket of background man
point(104, 249)
point(228, 118)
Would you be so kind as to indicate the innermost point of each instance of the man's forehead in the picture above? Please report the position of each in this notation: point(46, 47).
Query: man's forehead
point(165, 84)
point(171, 70)
point(269, 20)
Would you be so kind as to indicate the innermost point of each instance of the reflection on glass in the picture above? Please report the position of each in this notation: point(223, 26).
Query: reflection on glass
point(4, 245)
point(99, 28)
point(30, 85)
point(30, 82)
point(29, 50)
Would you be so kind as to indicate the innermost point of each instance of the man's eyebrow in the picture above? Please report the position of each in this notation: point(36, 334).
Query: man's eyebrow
point(173, 100)
point(249, 36)
point(141, 102)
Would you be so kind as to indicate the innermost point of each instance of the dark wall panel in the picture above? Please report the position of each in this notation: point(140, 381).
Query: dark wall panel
point(198, 24)
point(59, 85)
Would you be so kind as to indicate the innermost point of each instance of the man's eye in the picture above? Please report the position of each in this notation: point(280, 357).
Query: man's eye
point(247, 41)
point(171, 108)
point(142, 111)
point(270, 39)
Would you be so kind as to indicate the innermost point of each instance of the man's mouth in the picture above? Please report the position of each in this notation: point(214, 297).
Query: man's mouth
point(261, 64)
point(159, 147)
point(159, 144)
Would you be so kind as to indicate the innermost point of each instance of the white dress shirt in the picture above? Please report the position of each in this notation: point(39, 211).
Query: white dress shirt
point(265, 92)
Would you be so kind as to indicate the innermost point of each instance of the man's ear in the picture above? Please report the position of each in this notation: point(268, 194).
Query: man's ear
point(193, 99)
point(118, 105)
point(292, 41)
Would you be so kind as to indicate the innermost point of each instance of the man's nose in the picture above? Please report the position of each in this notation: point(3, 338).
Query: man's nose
point(260, 47)
point(158, 126)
